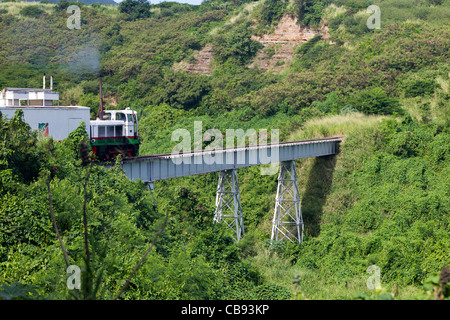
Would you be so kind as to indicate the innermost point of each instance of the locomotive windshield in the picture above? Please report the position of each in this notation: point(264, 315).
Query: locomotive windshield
point(120, 116)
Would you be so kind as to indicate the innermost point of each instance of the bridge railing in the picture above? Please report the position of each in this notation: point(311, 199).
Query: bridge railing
point(173, 165)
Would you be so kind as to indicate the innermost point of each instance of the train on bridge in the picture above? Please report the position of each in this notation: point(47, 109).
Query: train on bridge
point(113, 132)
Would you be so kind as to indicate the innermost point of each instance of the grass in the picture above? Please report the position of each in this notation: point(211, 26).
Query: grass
point(15, 7)
point(335, 125)
point(318, 178)
point(437, 107)
point(398, 11)
point(313, 286)
point(279, 271)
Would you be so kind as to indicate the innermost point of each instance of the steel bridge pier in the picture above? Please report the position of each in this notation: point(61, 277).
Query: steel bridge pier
point(228, 203)
point(287, 218)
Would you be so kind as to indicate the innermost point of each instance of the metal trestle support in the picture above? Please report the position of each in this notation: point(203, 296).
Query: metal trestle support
point(287, 219)
point(228, 203)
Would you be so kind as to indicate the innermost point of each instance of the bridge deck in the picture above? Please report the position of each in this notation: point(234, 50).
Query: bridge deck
point(173, 165)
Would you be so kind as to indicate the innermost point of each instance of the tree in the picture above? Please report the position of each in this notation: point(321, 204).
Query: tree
point(273, 10)
point(19, 151)
point(136, 9)
point(31, 11)
point(183, 91)
point(309, 12)
point(374, 101)
point(237, 45)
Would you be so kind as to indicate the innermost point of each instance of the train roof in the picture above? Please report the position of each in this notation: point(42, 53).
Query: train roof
point(99, 122)
point(126, 110)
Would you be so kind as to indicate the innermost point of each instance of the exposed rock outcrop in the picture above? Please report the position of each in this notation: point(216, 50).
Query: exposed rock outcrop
point(202, 63)
point(287, 31)
point(286, 36)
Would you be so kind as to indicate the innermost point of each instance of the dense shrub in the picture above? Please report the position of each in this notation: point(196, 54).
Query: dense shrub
point(305, 47)
point(236, 45)
point(373, 101)
point(183, 91)
point(331, 104)
point(31, 11)
point(397, 214)
point(136, 9)
point(420, 87)
point(309, 12)
point(272, 10)
point(62, 5)
point(20, 153)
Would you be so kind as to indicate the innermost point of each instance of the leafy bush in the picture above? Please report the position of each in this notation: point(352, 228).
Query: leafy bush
point(336, 21)
point(272, 292)
point(354, 6)
point(392, 214)
point(19, 149)
point(135, 9)
point(305, 47)
point(236, 45)
point(91, 101)
point(183, 91)
point(31, 11)
point(420, 87)
point(62, 5)
point(18, 291)
point(309, 12)
point(169, 9)
point(373, 101)
point(331, 104)
point(272, 10)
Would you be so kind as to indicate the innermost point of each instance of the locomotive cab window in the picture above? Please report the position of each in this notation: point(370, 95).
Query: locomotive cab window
point(131, 118)
point(120, 116)
point(135, 124)
point(101, 131)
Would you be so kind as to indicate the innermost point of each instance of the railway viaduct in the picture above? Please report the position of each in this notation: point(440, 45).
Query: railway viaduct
point(287, 220)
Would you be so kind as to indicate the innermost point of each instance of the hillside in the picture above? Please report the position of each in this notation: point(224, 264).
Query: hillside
point(110, 2)
point(308, 68)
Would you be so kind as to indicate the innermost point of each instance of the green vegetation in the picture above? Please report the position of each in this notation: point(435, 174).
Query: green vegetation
point(135, 9)
point(383, 200)
point(31, 11)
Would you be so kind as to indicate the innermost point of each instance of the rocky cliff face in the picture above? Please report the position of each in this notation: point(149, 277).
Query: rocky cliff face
point(277, 53)
point(287, 31)
point(202, 63)
point(287, 35)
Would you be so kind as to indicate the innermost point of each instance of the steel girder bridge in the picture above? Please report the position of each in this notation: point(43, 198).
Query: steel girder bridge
point(287, 219)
